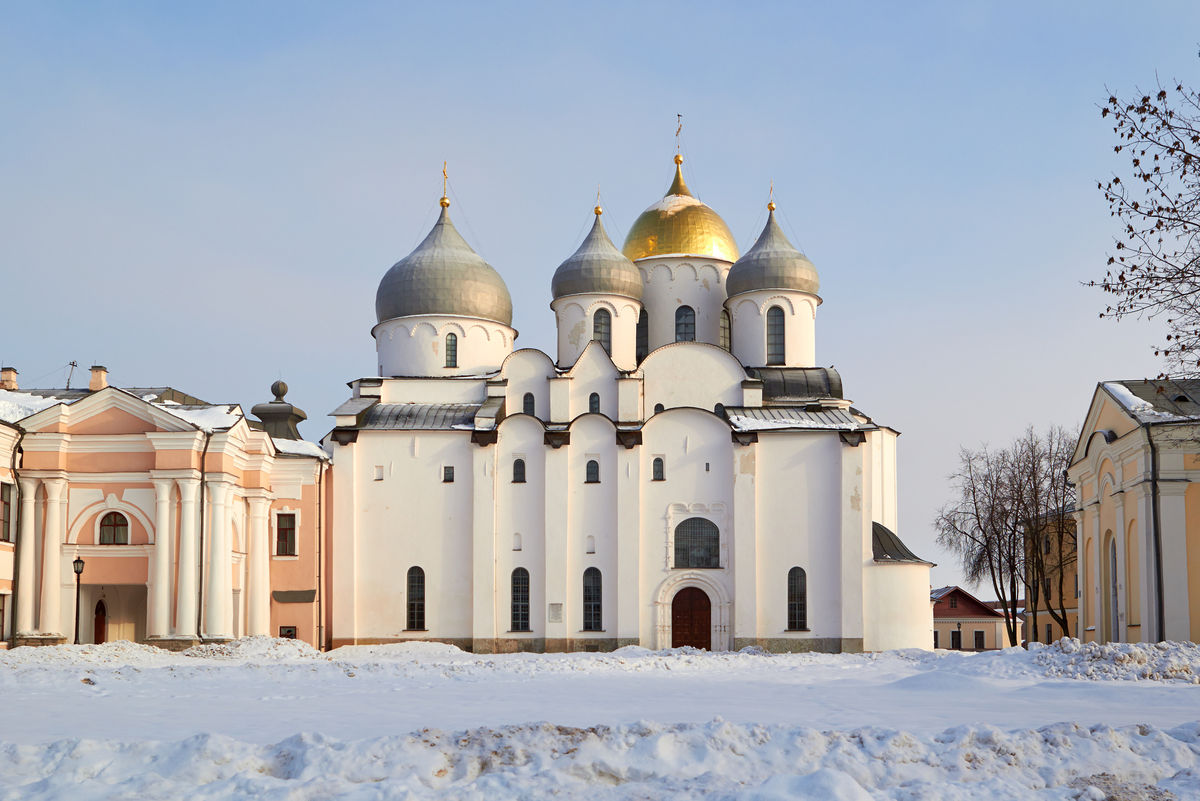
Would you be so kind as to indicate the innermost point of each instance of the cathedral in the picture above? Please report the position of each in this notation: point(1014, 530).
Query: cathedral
point(678, 473)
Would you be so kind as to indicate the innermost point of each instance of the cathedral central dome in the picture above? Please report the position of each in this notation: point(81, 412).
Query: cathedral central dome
point(680, 224)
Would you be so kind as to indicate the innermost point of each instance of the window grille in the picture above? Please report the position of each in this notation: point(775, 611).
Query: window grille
point(452, 350)
point(416, 599)
point(593, 472)
point(659, 472)
point(797, 599)
point(642, 339)
point(602, 329)
point(519, 471)
point(594, 403)
point(726, 331)
point(285, 535)
point(447, 475)
point(685, 324)
point(114, 529)
point(697, 543)
point(592, 589)
point(775, 335)
point(528, 404)
point(520, 600)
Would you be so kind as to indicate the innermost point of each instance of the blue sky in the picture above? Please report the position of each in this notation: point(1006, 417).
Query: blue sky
point(207, 195)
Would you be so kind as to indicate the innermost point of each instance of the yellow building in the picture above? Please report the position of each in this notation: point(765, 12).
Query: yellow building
point(1137, 472)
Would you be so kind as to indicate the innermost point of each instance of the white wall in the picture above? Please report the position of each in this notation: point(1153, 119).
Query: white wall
point(687, 374)
point(748, 311)
point(574, 317)
point(676, 281)
point(416, 345)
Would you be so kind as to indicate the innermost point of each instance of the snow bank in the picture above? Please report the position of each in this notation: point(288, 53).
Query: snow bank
point(718, 759)
point(1162, 661)
point(110, 654)
point(255, 649)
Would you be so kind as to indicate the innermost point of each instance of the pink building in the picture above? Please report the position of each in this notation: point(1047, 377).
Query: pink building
point(190, 521)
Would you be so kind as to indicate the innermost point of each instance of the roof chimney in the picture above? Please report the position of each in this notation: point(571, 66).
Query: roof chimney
point(279, 418)
point(8, 378)
point(99, 378)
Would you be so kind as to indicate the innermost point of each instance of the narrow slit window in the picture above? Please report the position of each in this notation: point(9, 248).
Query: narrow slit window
point(592, 472)
point(452, 350)
point(797, 600)
point(685, 324)
point(594, 403)
point(658, 470)
point(416, 599)
point(447, 475)
point(642, 338)
point(528, 404)
point(520, 600)
point(775, 336)
point(602, 329)
point(518, 471)
point(592, 600)
point(726, 331)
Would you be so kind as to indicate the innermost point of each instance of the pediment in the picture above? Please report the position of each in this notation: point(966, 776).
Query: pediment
point(109, 411)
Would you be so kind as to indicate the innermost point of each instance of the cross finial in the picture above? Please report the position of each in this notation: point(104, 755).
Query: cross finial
point(678, 130)
point(445, 201)
point(598, 210)
point(771, 198)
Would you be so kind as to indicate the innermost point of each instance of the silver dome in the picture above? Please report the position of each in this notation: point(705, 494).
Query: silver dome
point(773, 263)
point(443, 276)
point(597, 267)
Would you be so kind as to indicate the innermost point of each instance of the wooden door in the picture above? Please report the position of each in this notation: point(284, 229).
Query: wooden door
point(101, 630)
point(691, 619)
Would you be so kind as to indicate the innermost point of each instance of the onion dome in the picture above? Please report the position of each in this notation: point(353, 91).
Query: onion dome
point(443, 276)
point(680, 224)
point(597, 267)
point(773, 263)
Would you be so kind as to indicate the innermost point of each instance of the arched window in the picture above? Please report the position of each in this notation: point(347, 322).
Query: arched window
point(797, 591)
point(593, 472)
point(416, 599)
point(528, 405)
point(659, 408)
point(520, 600)
point(685, 324)
point(775, 348)
point(452, 350)
point(594, 403)
point(642, 339)
point(697, 543)
point(114, 529)
point(726, 331)
point(518, 471)
point(658, 470)
point(602, 329)
point(592, 615)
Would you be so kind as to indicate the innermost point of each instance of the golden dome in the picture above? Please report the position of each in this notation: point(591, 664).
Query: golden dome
point(680, 224)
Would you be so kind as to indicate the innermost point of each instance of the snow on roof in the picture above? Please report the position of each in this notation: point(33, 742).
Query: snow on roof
point(1168, 405)
point(16, 406)
point(674, 203)
point(769, 418)
point(207, 418)
point(299, 447)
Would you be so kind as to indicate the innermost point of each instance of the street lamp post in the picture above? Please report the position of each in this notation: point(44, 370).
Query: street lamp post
point(78, 565)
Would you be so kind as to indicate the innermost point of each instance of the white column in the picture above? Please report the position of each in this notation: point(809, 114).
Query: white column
point(185, 609)
point(159, 623)
point(26, 542)
point(50, 616)
point(259, 572)
point(218, 622)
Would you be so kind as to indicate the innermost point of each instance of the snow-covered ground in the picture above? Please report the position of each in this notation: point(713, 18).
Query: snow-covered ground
point(269, 718)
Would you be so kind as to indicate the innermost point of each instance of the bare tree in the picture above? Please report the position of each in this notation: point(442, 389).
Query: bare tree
point(1156, 267)
point(1011, 523)
point(982, 526)
point(1045, 502)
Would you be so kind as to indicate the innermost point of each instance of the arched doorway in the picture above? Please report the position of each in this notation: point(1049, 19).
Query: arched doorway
point(101, 630)
point(691, 619)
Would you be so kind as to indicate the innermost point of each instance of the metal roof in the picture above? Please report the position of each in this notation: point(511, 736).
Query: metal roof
point(887, 547)
point(770, 418)
point(1162, 401)
point(354, 406)
point(597, 267)
point(773, 263)
point(798, 382)
point(421, 416)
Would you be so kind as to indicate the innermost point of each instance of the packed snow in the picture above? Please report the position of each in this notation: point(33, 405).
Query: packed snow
point(299, 447)
point(206, 418)
point(268, 718)
point(16, 406)
point(1143, 410)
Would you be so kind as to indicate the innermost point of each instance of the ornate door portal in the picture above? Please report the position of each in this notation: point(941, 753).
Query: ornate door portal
point(691, 619)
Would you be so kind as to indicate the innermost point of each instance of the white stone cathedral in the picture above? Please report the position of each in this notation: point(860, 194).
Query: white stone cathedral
point(679, 473)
